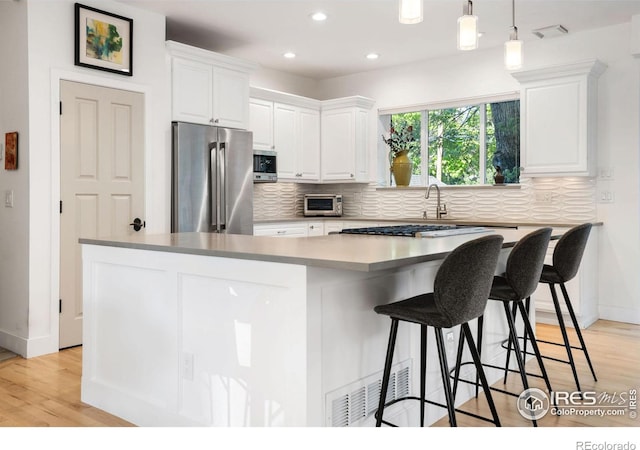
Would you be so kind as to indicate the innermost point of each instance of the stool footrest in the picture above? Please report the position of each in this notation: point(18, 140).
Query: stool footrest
point(505, 343)
point(493, 388)
point(431, 402)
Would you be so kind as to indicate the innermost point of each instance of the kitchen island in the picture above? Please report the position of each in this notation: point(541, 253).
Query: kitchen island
point(197, 329)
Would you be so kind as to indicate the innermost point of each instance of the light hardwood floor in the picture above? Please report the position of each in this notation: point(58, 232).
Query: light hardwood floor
point(45, 391)
point(614, 349)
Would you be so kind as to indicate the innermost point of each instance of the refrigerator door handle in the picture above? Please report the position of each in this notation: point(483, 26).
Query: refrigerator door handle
point(215, 188)
point(222, 194)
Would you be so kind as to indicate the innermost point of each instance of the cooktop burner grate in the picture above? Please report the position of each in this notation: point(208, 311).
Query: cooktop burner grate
point(398, 230)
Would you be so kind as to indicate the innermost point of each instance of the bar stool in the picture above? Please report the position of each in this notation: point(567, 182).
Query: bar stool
point(459, 295)
point(519, 281)
point(566, 261)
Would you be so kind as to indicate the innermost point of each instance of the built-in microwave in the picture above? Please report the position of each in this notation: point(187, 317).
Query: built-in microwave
point(323, 205)
point(264, 166)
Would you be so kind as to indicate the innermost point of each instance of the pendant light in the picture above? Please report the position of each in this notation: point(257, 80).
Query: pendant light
point(410, 11)
point(513, 47)
point(468, 28)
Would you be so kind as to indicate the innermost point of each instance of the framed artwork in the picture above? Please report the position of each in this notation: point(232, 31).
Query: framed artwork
point(11, 150)
point(103, 41)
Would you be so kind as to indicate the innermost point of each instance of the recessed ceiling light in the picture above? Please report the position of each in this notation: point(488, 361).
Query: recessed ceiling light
point(289, 55)
point(373, 56)
point(319, 16)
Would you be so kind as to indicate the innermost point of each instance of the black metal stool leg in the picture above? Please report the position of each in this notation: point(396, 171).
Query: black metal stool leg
point(516, 346)
point(423, 370)
point(444, 370)
point(456, 375)
point(577, 328)
point(475, 354)
point(387, 370)
point(529, 335)
point(565, 337)
point(514, 314)
point(479, 347)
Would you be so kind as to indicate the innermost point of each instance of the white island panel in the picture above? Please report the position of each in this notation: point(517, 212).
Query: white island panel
point(184, 339)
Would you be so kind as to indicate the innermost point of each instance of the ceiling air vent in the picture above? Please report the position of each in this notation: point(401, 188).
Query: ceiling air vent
point(550, 32)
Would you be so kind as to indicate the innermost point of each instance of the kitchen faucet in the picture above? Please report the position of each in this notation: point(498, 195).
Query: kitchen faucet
point(440, 210)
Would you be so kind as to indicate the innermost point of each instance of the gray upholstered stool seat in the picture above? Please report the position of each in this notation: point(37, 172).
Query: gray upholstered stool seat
point(418, 309)
point(459, 295)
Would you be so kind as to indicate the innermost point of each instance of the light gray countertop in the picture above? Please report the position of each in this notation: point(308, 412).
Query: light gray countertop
point(405, 220)
point(346, 252)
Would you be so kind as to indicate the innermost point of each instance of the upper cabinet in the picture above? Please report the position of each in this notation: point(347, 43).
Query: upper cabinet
point(290, 125)
point(558, 107)
point(208, 88)
point(344, 142)
point(316, 141)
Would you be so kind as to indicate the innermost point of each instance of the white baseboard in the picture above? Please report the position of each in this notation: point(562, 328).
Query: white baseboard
point(620, 314)
point(13, 343)
point(28, 348)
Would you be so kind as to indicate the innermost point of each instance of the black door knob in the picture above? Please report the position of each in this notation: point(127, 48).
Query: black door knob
point(138, 224)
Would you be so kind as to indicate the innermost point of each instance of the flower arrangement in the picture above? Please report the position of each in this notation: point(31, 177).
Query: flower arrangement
point(399, 140)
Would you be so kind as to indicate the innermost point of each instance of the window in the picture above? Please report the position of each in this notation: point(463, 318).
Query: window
point(464, 145)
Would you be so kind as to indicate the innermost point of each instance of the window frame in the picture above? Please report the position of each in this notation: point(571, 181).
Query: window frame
point(384, 119)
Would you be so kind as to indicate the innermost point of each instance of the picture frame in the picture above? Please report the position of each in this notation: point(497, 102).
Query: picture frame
point(11, 151)
point(103, 41)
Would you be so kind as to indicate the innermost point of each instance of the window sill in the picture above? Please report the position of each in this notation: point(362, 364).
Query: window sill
point(446, 188)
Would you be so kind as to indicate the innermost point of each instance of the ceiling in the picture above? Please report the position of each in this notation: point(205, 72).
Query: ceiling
point(263, 30)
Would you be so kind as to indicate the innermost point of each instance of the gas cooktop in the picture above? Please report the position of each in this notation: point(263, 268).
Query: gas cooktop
point(416, 230)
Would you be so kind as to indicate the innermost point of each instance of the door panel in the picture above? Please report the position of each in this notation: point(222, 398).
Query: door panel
point(101, 181)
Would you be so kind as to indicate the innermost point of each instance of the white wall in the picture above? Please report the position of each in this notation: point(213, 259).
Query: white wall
point(30, 326)
point(478, 73)
point(285, 82)
point(14, 236)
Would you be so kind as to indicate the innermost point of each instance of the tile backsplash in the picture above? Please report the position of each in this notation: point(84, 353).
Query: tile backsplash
point(537, 199)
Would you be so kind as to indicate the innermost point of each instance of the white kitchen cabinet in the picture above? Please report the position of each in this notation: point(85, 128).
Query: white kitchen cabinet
point(284, 136)
point(308, 144)
point(261, 123)
point(315, 228)
point(344, 143)
point(333, 226)
point(208, 88)
point(290, 125)
point(281, 229)
point(582, 289)
point(558, 107)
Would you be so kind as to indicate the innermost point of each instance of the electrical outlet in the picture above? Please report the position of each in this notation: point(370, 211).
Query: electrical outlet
point(450, 344)
point(450, 338)
point(544, 197)
point(606, 197)
point(8, 199)
point(187, 366)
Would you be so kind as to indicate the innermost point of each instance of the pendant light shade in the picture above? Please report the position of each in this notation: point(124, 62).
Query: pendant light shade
point(410, 11)
point(468, 29)
point(513, 55)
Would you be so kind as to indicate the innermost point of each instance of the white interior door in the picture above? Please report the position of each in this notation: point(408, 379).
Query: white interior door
point(101, 181)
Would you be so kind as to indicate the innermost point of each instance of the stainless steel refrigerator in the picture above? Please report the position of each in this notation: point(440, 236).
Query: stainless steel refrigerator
point(212, 179)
